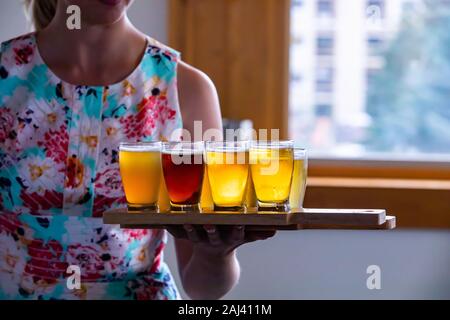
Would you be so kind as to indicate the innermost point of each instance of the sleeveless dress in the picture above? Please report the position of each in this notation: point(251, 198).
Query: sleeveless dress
point(59, 172)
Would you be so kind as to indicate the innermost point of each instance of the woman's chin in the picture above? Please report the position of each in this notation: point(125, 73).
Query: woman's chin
point(101, 12)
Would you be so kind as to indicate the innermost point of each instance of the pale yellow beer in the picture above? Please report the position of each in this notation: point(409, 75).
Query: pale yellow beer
point(271, 166)
point(228, 170)
point(299, 177)
point(140, 169)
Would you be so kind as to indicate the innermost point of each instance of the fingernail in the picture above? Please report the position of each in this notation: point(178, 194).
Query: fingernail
point(239, 227)
point(210, 229)
point(188, 228)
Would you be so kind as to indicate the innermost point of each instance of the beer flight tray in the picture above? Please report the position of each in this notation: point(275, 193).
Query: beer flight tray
point(351, 219)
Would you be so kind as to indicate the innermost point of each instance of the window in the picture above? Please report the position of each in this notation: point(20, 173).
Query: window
point(325, 44)
point(375, 45)
point(324, 80)
point(385, 91)
point(323, 110)
point(325, 8)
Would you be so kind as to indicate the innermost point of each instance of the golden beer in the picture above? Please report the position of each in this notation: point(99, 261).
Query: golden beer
point(250, 198)
point(228, 172)
point(206, 201)
point(271, 166)
point(299, 176)
point(140, 169)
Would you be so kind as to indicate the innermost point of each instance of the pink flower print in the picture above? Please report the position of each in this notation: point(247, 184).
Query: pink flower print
point(46, 201)
point(88, 259)
point(6, 124)
point(151, 111)
point(109, 182)
point(22, 55)
point(45, 264)
point(56, 144)
point(135, 234)
point(141, 124)
point(109, 191)
point(158, 257)
point(94, 263)
point(103, 203)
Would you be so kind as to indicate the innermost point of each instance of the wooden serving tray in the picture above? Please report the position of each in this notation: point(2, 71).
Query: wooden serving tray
point(304, 219)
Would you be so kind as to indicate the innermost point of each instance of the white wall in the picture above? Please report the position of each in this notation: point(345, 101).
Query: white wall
point(313, 264)
point(310, 264)
point(12, 19)
point(148, 15)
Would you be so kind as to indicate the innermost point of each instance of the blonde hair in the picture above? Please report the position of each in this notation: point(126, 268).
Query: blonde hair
point(40, 12)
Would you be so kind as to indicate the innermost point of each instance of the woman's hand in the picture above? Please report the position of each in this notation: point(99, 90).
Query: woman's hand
point(218, 240)
point(206, 257)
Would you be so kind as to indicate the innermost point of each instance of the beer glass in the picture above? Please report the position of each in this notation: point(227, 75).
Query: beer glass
point(271, 164)
point(183, 170)
point(299, 176)
point(228, 171)
point(140, 169)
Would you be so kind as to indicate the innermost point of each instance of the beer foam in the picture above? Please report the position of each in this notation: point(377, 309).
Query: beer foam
point(140, 148)
point(226, 149)
point(268, 148)
point(183, 152)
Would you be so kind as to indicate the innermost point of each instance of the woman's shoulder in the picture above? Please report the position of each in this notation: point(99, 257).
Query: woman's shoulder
point(183, 67)
point(193, 79)
point(187, 75)
point(158, 48)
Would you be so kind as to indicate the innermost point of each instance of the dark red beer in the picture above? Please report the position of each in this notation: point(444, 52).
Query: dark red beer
point(183, 180)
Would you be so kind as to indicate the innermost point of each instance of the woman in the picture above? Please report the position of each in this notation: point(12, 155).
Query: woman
point(67, 99)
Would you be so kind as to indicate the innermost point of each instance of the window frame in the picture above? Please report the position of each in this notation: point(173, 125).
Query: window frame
point(379, 168)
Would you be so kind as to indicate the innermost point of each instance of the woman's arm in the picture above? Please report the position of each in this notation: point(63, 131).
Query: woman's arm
point(205, 274)
point(206, 256)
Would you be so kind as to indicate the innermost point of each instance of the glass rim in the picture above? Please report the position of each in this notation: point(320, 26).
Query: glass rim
point(182, 143)
point(152, 146)
point(227, 146)
point(300, 153)
point(177, 147)
point(272, 144)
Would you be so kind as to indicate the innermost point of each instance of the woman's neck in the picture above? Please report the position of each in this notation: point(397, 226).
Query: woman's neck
point(95, 54)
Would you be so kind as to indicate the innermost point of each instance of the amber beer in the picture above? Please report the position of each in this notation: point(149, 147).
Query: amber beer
point(183, 169)
point(299, 177)
point(140, 169)
point(272, 164)
point(228, 171)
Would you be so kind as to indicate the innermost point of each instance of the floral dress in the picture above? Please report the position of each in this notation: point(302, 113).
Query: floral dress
point(59, 172)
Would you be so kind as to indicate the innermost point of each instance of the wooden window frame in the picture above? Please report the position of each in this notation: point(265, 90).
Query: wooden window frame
point(416, 191)
point(389, 168)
